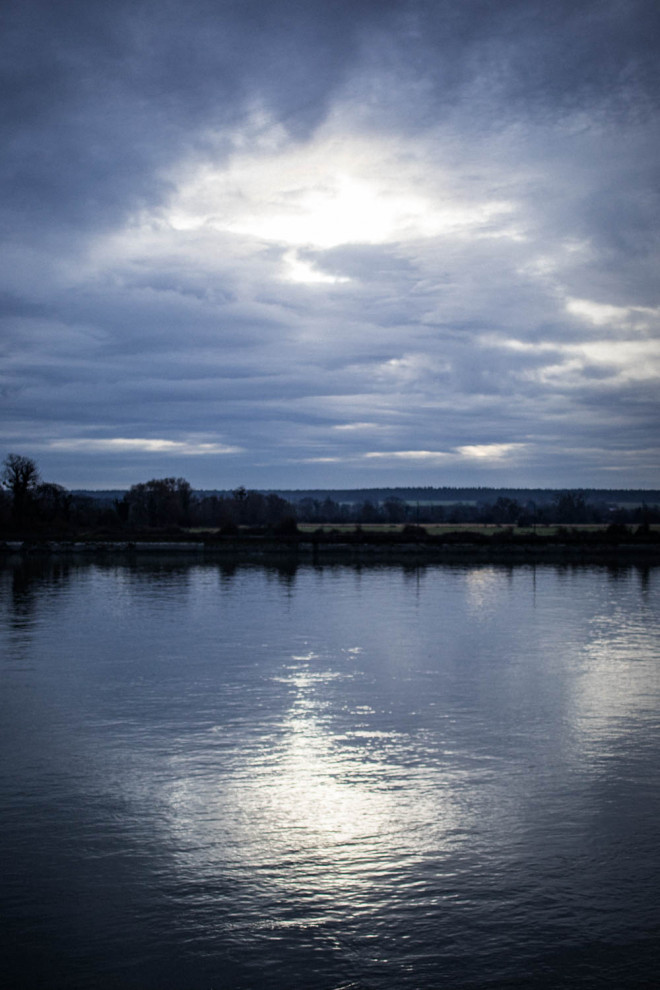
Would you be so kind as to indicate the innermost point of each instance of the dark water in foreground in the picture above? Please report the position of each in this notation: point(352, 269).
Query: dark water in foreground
point(332, 778)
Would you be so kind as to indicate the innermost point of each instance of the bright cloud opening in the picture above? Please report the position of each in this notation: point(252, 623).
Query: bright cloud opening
point(410, 455)
point(303, 271)
point(490, 451)
point(143, 445)
point(481, 452)
point(329, 193)
point(602, 314)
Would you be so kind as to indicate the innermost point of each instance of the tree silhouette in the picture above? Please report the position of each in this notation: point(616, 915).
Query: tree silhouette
point(20, 476)
point(160, 502)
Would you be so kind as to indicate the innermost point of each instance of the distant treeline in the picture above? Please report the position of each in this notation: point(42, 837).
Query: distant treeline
point(29, 505)
point(449, 495)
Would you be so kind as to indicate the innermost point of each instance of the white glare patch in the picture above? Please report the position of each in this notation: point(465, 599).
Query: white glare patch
point(303, 271)
point(143, 445)
point(328, 193)
point(331, 210)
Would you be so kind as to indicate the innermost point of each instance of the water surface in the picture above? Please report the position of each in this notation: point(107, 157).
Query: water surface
point(332, 777)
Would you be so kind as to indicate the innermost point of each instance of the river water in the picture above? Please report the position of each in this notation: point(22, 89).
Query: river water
point(221, 777)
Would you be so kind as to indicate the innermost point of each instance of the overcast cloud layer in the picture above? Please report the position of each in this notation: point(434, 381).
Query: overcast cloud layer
point(330, 244)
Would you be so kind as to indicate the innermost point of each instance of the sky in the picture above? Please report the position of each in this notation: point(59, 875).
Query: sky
point(319, 243)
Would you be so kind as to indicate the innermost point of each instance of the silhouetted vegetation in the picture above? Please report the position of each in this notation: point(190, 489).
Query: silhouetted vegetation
point(168, 507)
point(156, 504)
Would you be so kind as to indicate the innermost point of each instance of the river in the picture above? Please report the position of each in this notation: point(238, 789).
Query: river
point(222, 777)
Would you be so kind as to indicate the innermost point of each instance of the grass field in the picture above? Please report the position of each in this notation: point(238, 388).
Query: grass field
point(437, 529)
point(434, 529)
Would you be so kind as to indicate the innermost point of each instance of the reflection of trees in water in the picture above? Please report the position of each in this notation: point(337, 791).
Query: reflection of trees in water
point(282, 569)
point(413, 572)
point(617, 572)
point(227, 571)
point(285, 571)
point(29, 579)
point(644, 575)
point(159, 572)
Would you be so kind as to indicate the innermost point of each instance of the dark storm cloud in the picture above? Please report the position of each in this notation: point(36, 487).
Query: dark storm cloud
point(525, 57)
point(99, 96)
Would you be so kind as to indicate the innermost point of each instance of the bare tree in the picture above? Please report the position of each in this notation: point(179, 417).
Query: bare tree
point(53, 502)
point(160, 502)
point(20, 476)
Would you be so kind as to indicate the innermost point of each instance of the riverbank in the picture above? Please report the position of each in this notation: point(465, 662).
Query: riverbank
point(362, 546)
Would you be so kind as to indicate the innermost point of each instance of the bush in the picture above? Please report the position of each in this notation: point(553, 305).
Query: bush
point(229, 529)
point(414, 532)
point(287, 526)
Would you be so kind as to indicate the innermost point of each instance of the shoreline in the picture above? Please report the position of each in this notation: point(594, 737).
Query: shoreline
point(305, 550)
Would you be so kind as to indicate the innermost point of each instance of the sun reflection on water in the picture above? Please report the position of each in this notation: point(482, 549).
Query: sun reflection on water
point(338, 810)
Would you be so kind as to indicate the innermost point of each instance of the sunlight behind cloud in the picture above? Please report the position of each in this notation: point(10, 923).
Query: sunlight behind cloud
point(332, 192)
point(335, 209)
point(303, 271)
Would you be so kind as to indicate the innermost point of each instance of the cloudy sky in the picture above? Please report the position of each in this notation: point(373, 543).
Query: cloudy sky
point(331, 243)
